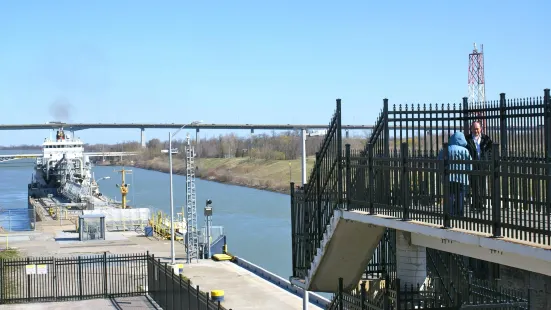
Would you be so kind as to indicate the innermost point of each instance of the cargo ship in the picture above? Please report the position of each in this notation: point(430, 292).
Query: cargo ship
point(63, 176)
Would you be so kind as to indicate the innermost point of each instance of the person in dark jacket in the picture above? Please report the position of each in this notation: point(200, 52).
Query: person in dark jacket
point(480, 147)
point(479, 144)
point(459, 182)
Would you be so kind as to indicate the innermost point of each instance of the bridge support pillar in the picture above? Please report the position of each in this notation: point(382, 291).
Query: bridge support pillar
point(303, 137)
point(142, 137)
point(251, 142)
point(197, 148)
point(411, 260)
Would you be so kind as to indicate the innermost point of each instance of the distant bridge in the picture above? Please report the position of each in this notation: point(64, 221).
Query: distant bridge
point(4, 158)
point(196, 127)
point(81, 126)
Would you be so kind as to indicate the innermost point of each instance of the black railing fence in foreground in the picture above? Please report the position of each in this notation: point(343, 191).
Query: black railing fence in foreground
point(522, 126)
point(392, 295)
point(494, 195)
point(50, 279)
point(171, 291)
point(41, 279)
point(315, 204)
point(506, 192)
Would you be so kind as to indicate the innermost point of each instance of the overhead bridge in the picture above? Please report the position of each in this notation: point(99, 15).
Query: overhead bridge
point(4, 158)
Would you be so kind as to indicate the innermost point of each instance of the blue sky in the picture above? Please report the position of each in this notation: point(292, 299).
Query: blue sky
point(256, 61)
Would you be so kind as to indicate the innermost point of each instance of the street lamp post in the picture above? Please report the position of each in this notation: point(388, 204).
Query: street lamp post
point(170, 151)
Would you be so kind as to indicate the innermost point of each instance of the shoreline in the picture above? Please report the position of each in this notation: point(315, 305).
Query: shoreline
point(218, 170)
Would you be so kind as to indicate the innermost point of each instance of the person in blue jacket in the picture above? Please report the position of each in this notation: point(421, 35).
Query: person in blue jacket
point(459, 182)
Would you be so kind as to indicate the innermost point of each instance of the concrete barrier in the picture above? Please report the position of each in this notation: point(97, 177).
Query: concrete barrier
point(314, 298)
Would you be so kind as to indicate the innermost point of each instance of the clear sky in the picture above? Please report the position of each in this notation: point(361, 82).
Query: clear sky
point(256, 61)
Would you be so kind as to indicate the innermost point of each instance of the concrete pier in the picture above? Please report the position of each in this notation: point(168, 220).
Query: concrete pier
point(243, 289)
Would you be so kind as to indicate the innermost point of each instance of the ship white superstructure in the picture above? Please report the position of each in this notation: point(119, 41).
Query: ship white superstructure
point(65, 171)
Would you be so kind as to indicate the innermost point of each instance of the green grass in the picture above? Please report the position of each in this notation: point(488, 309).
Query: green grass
point(9, 254)
point(9, 286)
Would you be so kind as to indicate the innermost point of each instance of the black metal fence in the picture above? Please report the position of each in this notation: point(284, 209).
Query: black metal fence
point(408, 170)
point(522, 126)
point(314, 204)
point(383, 261)
point(72, 278)
point(506, 192)
point(45, 279)
point(171, 291)
point(392, 295)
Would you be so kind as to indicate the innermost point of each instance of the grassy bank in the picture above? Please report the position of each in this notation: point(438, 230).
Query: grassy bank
point(9, 254)
point(273, 175)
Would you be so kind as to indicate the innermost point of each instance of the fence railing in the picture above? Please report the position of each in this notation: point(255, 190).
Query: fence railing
point(392, 295)
point(172, 291)
point(408, 171)
point(521, 126)
point(494, 195)
point(72, 278)
point(48, 279)
point(316, 201)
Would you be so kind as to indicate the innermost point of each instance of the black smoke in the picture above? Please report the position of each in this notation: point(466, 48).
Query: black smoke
point(60, 110)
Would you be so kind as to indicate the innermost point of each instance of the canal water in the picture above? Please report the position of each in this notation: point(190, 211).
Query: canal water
point(257, 223)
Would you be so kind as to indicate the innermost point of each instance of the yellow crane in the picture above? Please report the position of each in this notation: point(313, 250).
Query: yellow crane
point(123, 186)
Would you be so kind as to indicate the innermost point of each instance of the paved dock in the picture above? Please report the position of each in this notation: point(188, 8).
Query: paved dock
point(125, 303)
point(243, 289)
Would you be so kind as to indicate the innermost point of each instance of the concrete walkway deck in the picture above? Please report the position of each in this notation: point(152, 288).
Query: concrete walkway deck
point(243, 290)
point(126, 303)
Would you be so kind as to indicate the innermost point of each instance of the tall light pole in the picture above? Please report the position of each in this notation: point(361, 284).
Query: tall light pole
point(170, 151)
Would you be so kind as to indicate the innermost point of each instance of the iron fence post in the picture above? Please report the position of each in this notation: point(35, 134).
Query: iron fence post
point(371, 177)
point(197, 293)
point(386, 129)
point(547, 127)
point(28, 281)
point(466, 115)
point(339, 155)
point(318, 230)
point(504, 147)
point(2, 284)
point(386, 183)
point(293, 229)
point(348, 179)
point(180, 290)
point(341, 305)
point(398, 289)
point(80, 277)
point(547, 122)
point(105, 292)
point(386, 297)
point(363, 296)
point(165, 280)
point(496, 192)
point(189, 293)
point(444, 169)
point(54, 278)
point(404, 181)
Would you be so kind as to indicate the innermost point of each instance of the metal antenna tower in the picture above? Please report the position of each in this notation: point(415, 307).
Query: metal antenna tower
point(477, 92)
point(191, 206)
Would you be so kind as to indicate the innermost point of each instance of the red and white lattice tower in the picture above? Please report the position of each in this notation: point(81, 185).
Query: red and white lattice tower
point(477, 94)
